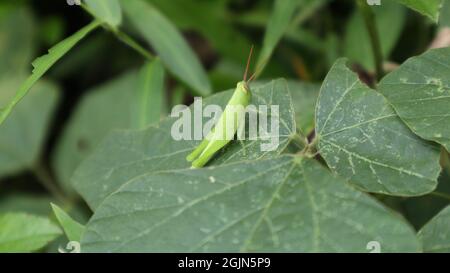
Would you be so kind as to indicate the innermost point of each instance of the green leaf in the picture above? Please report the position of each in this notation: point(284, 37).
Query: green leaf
point(21, 232)
point(363, 140)
point(17, 36)
point(420, 93)
point(108, 11)
point(72, 228)
point(126, 155)
point(279, 21)
point(390, 19)
point(25, 202)
point(42, 64)
point(429, 8)
point(444, 16)
point(286, 204)
point(103, 109)
point(304, 97)
point(23, 134)
point(435, 235)
point(150, 97)
point(176, 55)
point(210, 19)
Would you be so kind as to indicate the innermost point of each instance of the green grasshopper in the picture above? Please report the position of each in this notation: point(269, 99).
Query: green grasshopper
point(223, 133)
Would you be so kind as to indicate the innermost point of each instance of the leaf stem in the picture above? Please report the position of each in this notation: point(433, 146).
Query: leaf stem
point(445, 160)
point(310, 150)
point(372, 29)
point(300, 140)
point(441, 194)
point(122, 36)
point(125, 38)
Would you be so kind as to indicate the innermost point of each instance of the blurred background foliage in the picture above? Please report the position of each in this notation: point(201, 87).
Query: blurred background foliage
point(92, 90)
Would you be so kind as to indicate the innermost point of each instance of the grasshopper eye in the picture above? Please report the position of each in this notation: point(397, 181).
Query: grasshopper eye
point(246, 87)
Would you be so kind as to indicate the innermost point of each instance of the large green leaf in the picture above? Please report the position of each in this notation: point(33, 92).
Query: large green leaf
point(107, 107)
point(429, 8)
point(420, 93)
point(175, 53)
point(21, 232)
point(126, 155)
point(72, 228)
point(17, 37)
point(42, 64)
point(362, 139)
point(390, 19)
point(286, 204)
point(108, 11)
point(435, 235)
point(23, 134)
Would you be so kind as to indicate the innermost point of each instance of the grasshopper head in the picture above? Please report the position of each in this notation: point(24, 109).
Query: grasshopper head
point(243, 85)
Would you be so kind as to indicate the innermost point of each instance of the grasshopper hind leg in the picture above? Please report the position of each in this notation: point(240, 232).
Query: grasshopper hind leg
point(196, 153)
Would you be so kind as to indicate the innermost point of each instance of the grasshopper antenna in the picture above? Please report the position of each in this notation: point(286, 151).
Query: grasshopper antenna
point(248, 63)
point(257, 71)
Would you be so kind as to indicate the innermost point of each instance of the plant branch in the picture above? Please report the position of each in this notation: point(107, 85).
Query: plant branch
point(440, 194)
point(300, 140)
point(125, 38)
point(445, 160)
point(370, 22)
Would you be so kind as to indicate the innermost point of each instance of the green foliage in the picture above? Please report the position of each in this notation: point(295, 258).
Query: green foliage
point(126, 155)
point(72, 228)
point(429, 8)
point(209, 19)
point(281, 17)
point(92, 120)
point(444, 17)
point(279, 205)
point(42, 64)
point(359, 160)
point(21, 232)
point(17, 36)
point(168, 43)
point(362, 139)
point(29, 203)
point(23, 134)
point(420, 93)
point(108, 11)
point(150, 97)
point(390, 21)
point(305, 96)
point(435, 235)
